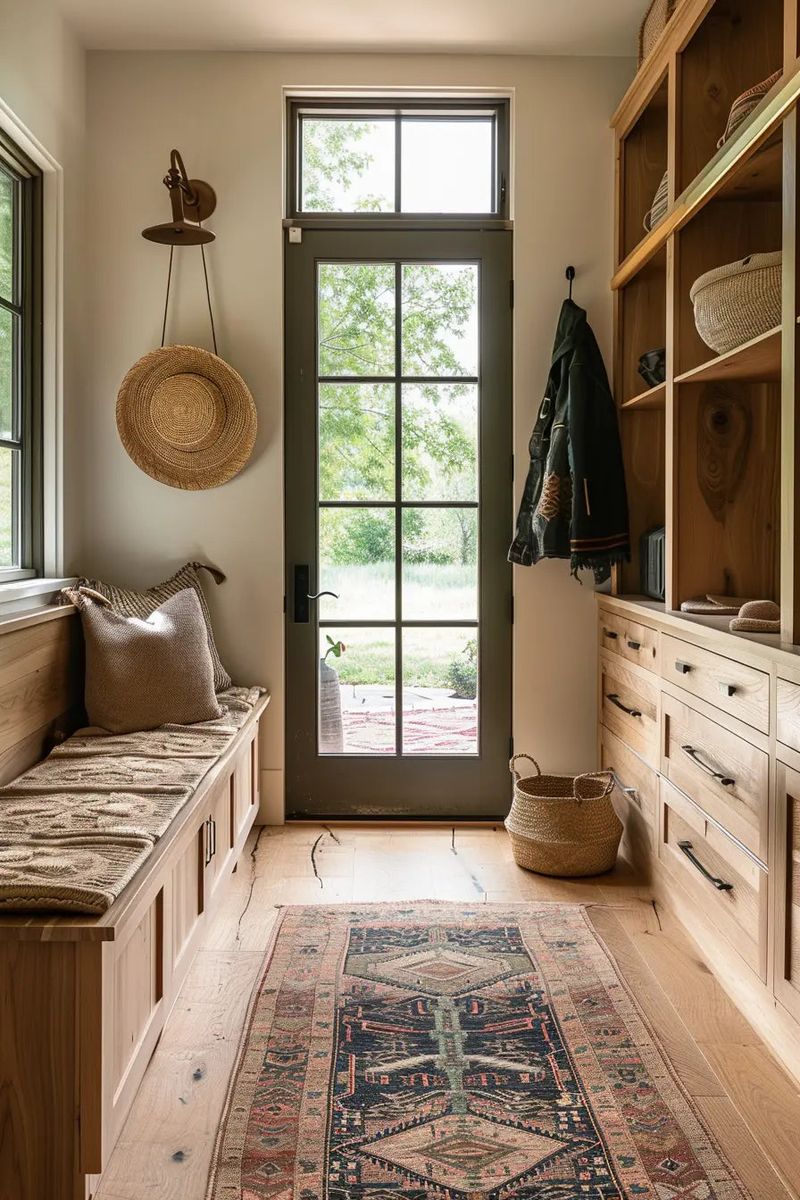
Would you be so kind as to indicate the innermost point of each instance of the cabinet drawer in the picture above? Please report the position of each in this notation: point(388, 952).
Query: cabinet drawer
point(734, 688)
point(629, 707)
point(635, 798)
point(788, 713)
point(629, 639)
point(728, 889)
point(726, 776)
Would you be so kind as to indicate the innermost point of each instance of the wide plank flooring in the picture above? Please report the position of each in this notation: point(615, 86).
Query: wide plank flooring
point(165, 1148)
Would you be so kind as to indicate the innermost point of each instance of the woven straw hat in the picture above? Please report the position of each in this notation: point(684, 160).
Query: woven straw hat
point(186, 417)
point(758, 616)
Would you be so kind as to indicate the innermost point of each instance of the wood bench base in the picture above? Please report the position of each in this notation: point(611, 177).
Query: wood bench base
point(83, 1000)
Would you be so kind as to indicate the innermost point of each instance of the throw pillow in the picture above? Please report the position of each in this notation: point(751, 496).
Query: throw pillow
point(131, 603)
point(142, 673)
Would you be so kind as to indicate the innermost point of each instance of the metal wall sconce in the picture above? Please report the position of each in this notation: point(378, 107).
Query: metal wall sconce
point(192, 200)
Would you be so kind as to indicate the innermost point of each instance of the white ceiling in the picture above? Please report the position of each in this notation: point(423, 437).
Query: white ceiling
point(602, 27)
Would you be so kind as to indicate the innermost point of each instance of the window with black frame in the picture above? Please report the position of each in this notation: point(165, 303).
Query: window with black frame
point(20, 364)
point(376, 160)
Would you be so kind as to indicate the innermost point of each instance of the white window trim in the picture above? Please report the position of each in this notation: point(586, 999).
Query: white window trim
point(52, 357)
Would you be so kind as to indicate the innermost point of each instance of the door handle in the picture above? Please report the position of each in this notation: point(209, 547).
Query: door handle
point(317, 595)
point(302, 596)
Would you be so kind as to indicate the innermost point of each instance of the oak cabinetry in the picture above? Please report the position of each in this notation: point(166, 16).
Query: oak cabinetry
point(713, 456)
point(629, 705)
point(630, 639)
point(635, 797)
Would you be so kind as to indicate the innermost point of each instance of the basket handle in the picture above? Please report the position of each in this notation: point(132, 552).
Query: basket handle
point(513, 769)
point(609, 775)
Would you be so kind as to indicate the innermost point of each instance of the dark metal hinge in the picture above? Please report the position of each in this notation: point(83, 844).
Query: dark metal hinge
point(511, 607)
point(511, 747)
point(512, 468)
point(511, 293)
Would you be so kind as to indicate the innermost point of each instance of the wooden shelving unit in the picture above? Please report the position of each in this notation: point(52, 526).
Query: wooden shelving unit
point(713, 457)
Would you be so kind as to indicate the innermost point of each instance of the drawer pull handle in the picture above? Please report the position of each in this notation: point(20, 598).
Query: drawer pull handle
point(634, 645)
point(631, 792)
point(683, 667)
point(719, 884)
point(728, 689)
point(610, 634)
point(614, 698)
point(725, 780)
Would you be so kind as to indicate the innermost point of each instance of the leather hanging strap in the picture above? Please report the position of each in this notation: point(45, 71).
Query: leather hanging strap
point(208, 297)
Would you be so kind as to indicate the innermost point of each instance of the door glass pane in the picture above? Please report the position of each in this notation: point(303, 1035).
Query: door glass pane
point(440, 691)
point(356, 560)
point(440, 319)
point(356, 441)
point(440, 441)
point(9, 517)
point(357, 691)
point(447, 165)
point(347, 165)
point(440, 564)
point(356, 319)
point(7, 222)
point(8, 354)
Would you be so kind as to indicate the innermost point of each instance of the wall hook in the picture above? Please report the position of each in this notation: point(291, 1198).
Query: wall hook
point(570, 275)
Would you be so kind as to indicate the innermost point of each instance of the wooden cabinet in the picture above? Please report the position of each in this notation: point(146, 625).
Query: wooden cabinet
point(629, 706)
point(635, 796)
point(632, 640)
point(725, 775)
point(94, 992)
point(727, 886)
point(736, 689)
point(787, 889)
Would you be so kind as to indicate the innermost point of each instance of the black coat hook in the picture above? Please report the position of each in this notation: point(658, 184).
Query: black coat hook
point(570, 275)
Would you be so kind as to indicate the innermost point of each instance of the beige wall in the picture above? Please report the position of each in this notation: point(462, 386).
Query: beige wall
point(224, 111)
point(43, 83)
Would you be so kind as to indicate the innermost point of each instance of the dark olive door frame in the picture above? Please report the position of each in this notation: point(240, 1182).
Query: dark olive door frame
point(359, 786)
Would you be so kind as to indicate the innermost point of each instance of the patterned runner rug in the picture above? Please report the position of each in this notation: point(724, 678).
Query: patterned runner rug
point(406, 1052)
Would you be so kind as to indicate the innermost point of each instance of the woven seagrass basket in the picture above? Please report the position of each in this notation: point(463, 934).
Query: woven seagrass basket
point(653, 25)
point(739, 301)
point(563, 824)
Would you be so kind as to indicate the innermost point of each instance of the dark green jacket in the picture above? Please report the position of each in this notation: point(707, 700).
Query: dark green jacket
point(574, 505)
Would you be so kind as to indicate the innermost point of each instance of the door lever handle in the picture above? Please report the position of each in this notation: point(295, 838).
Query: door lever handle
point(317, 595)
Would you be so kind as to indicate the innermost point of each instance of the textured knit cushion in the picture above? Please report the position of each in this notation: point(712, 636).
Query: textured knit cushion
point(144, 673)
point(744, 105)
point(130, 603)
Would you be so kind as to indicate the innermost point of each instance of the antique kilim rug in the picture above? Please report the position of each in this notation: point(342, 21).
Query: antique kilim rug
point(455, 1052)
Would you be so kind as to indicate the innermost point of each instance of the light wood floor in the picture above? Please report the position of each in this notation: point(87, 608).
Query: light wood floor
point(165, 1148)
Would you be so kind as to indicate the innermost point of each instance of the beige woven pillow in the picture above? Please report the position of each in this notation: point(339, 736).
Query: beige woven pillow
point(144, 673)
point(130, 603)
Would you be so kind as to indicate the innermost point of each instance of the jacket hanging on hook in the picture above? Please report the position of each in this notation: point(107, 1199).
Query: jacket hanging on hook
point(574, 504)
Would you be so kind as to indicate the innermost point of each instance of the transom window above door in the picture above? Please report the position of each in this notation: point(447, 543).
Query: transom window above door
point(412, 158)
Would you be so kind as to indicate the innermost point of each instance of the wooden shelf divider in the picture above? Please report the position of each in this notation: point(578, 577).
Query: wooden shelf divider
point(654, 397)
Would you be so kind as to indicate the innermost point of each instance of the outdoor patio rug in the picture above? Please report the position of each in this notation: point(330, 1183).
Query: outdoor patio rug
point(400, 1052)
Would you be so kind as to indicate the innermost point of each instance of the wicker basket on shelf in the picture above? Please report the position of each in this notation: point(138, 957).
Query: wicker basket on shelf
point(739, 301)
point(563, 824)
point(653, 25)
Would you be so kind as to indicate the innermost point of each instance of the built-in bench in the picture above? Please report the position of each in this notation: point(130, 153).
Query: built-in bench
point(83, 998)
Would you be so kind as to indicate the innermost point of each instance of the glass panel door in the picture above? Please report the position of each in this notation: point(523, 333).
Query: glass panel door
point(398, 512)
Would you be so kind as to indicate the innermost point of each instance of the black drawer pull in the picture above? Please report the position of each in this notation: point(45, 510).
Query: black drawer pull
point(610, 634)
point(728, 689)
point(683, 667)
point(718, 883)
point(614, 698)
point(634, 645)
point(725, 780)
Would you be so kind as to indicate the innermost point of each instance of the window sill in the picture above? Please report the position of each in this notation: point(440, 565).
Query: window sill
point(16, 595)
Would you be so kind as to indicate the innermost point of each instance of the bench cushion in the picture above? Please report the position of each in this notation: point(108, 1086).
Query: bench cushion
point(76, 827)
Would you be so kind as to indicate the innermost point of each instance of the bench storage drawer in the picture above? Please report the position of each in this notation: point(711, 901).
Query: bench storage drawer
point(635, 797)
point(629, 706)
point(736, 689)
point(728, 888)
point(629, 639)
point(726, 776)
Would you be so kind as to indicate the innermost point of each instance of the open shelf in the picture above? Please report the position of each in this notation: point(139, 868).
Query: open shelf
point(758, 360)
point(759, 177)
point(654, 397)
point(643, 161)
